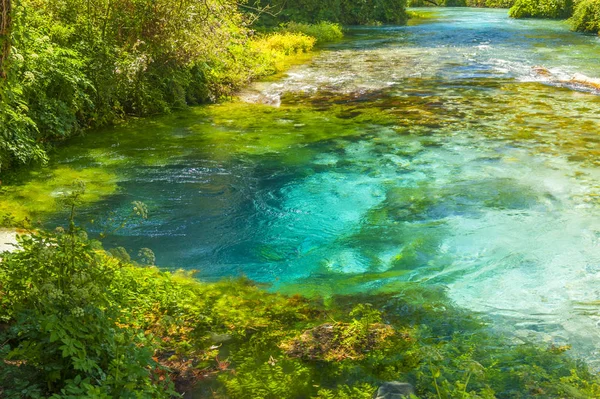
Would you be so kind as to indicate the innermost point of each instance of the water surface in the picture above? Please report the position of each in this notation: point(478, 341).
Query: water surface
point(434, 152)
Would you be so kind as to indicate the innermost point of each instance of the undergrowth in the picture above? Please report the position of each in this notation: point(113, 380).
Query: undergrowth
point(73, 64)
point(80, 321)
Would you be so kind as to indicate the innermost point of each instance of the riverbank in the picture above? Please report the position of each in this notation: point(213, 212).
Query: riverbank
point(175, 335)
point(582, 15)
point(424, 192)
point(70, 67)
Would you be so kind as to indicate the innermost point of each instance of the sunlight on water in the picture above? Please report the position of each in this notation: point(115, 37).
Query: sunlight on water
point(434, 152)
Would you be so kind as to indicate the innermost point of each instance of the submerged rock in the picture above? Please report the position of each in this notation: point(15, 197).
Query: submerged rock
point(395, 390)
point(583, 80)
point(578, 79)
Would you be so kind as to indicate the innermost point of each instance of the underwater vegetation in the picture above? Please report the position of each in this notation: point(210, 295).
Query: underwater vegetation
point(90, 323)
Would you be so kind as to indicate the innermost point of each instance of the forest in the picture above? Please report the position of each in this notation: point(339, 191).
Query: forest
point(309, 199)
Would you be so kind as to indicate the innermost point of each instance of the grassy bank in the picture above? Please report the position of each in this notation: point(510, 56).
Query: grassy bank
point(72, 65)
point(79, 321)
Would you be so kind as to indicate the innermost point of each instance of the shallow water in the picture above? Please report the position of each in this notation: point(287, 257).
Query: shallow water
point(433, 152)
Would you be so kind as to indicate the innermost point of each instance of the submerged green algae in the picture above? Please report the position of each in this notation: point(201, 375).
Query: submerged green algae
point(224, 132)
point(38, 196)
point(398, 159)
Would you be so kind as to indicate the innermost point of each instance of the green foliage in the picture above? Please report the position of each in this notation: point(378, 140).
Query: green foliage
point(271, 380)
point(541, 9)
point(462, 3)
point(64, 339)
point(322, 31)
point(361, 391)
point(76, 64)
point(286, 43)
point(345, 12)
point(491, 3)
point(454, 3)
point(586, 17)
point(80, 322)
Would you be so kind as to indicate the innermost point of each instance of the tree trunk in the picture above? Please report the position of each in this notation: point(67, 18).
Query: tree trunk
point(5, 25)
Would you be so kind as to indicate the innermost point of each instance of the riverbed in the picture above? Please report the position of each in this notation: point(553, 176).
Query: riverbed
point(456, 151)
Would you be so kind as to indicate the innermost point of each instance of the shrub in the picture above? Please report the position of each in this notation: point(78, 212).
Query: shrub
point(346, 12)
point(323, 31)
point(586, 17)
point(491, 3)
point(541, 9)
point(64, 338)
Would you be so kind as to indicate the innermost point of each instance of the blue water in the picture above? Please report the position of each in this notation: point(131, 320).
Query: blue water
point(436, 152)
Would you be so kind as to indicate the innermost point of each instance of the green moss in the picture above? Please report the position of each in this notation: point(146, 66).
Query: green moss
point(38, 195)
point(260, 129)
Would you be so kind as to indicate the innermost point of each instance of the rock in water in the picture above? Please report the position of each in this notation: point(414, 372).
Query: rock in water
point(586, 81)
point(395, 390)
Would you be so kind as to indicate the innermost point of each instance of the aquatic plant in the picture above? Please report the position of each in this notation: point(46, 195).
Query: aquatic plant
point(79, 322)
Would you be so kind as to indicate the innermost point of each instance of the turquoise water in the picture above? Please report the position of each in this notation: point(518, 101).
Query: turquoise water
point(436, 152)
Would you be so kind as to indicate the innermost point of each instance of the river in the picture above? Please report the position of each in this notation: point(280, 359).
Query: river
point(455, 151)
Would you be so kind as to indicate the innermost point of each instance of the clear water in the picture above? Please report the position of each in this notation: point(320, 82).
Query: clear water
point(433, 152)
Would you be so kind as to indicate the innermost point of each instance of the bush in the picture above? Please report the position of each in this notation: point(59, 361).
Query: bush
point(76, 64)
point(586, 17)
point(64, 338)
point(323, 31)
point(491, 3)
point(554, 9)
point(346, 12)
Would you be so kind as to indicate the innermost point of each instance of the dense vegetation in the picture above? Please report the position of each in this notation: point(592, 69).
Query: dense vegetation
point(75, 64)
point(542, 9)
point(462, 3)
point(584, 15)
point(79, 321)
point(347, 12)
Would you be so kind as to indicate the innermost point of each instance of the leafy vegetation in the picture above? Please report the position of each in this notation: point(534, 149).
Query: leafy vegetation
point(462, 3)
point(323, 31)
point(541, 9)
point(82, 321)
point(491, 3)
point(345, 12)
point(586, 17)
point(77, 64)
